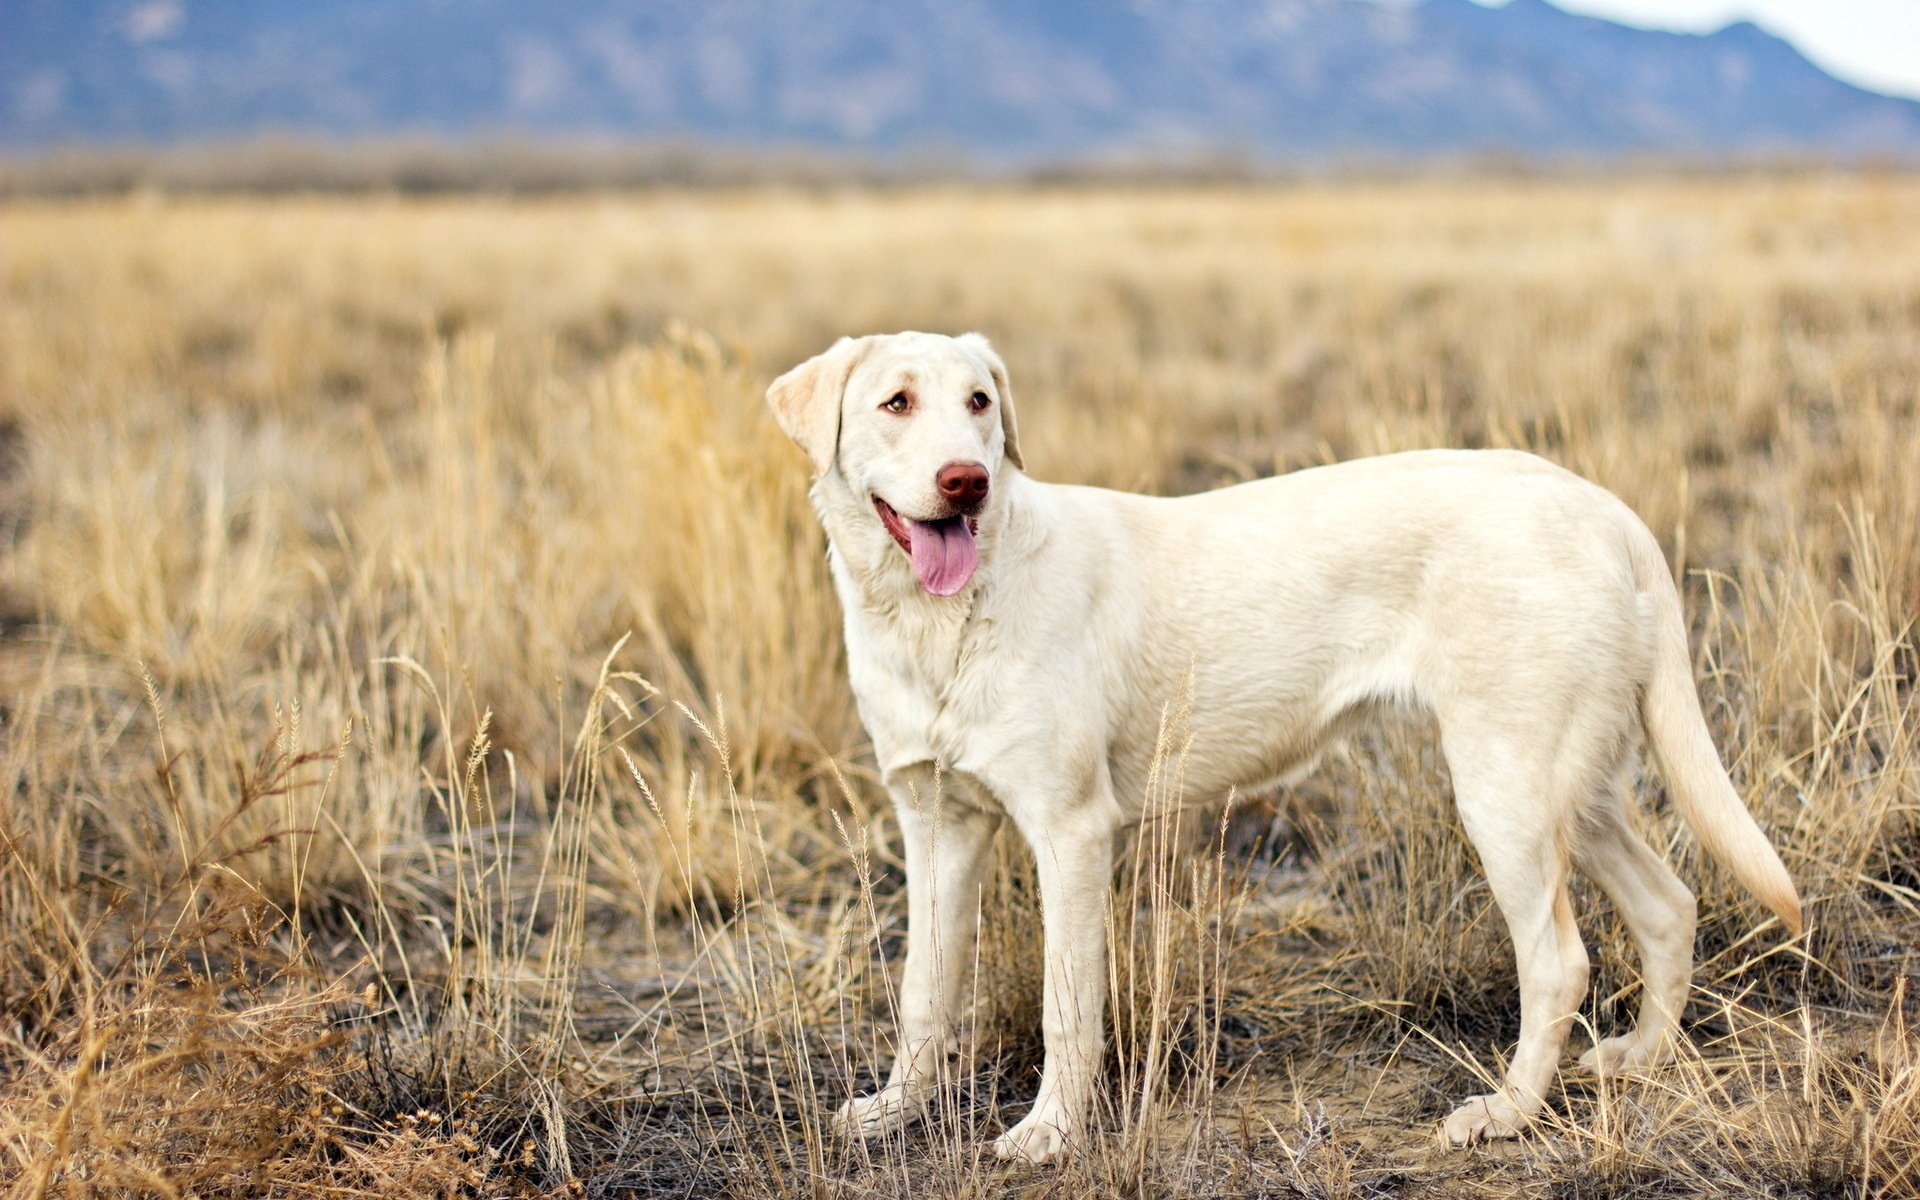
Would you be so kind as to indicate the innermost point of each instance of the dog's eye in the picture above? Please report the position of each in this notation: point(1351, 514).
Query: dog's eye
point(898, 403)
point(980, 401)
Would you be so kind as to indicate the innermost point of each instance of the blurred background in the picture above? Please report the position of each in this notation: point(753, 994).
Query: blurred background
point(495, 93)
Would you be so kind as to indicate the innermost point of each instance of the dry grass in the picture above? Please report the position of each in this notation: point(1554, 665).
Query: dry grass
point(427, 766)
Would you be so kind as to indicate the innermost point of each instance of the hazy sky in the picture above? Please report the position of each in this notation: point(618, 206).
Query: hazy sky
point(1874, 43)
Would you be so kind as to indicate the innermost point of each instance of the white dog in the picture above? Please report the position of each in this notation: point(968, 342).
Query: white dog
point(1018, 641)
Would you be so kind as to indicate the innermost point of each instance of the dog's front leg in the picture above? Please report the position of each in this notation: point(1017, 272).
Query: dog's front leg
point(1073, 857)
point(946, 847)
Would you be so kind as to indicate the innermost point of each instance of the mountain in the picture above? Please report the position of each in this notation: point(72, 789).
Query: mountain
point(1002, 80)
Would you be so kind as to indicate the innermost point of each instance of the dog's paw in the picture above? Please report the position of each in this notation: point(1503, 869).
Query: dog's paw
point(1484, 1119)
point(884, 1111)
point(1040, 1138)
point(1624, 1055)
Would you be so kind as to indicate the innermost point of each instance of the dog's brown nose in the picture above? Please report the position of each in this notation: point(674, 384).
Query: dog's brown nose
point(964, 484)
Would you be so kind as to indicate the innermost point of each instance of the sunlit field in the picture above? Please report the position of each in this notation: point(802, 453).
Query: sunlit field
point(429, 767)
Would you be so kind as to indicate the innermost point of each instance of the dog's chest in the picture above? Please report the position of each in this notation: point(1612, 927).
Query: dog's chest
point(917, 678)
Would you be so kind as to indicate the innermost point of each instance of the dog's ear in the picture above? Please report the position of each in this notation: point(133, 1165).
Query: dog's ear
point(806, 400)
point(981, 346)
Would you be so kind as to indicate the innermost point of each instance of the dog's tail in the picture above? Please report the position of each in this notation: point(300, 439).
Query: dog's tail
point(1677, 730)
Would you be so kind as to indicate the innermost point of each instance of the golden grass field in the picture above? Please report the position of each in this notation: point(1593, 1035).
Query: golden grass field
point(429, 770)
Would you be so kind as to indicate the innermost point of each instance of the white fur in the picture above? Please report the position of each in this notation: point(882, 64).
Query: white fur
point(1528, 609)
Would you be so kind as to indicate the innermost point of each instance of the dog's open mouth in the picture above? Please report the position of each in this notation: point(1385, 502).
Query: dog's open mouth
point(943, 552)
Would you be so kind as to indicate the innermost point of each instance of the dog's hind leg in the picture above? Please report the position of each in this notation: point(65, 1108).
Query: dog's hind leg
point(1508, 806)
point(1659, 912)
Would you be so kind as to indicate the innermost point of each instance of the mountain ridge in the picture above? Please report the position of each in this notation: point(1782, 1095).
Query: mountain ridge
point(998, 79)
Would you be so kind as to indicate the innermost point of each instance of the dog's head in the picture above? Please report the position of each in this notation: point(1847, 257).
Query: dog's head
point(917, 428)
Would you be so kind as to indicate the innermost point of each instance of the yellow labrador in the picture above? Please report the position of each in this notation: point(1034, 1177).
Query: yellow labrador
point(1021, 639)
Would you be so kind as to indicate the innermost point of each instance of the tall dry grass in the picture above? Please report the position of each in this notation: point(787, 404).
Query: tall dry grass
point(428, 767)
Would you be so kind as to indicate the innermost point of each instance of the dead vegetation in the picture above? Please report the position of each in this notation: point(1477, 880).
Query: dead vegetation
point(427, 767)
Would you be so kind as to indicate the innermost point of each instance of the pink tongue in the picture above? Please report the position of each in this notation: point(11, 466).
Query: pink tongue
point(944, 555)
